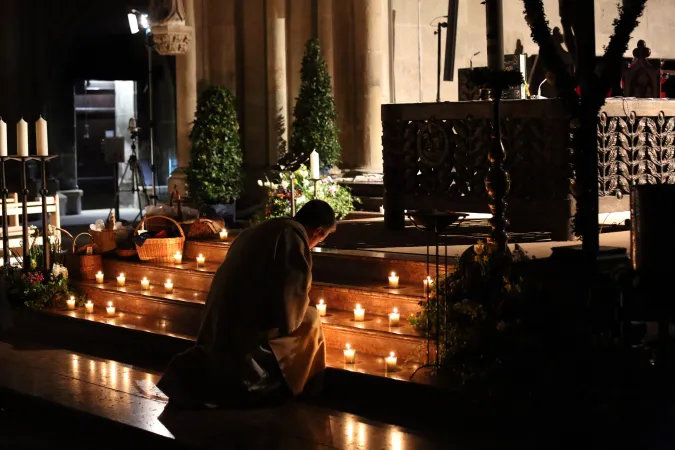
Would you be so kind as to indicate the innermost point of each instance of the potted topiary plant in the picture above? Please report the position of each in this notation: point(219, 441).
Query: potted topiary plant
point(215, 173)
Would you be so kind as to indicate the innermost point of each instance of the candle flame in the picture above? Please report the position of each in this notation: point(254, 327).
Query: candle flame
point(391, 354)
point(109, 304)
point(348, 346)
point(200, 256)
point(88, 302)
point(168, 281)
point(99, 273)
point(177, 254)
point(358, 306)
point(393, 274)
point(121, 275)
point(72, 297)
point(321, 302)
point(395, 310)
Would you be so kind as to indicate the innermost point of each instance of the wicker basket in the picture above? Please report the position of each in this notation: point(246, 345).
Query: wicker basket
point(105, 240)
point(87, 264)
point(160, 249)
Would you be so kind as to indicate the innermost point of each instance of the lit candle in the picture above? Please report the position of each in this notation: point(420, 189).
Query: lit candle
point(120, 280)
point(177, 258)
point(89, 307)
point(22, 138)
point(350, 355)
point(390, 361)
point(145, 284)
point(70, 303)
point(168, 286)
point(223, 234)
point(393, 280)
point(99, 277)
point(427, 284)
point(41, 137)
point(321, 307)
point(200, 260)
point(394, 318)
point(315, 173)
point(382, 210)
point(3, 138)
point(359, 313)
point(110, 310)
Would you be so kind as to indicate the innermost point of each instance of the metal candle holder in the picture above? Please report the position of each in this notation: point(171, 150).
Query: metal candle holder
point(5, 226)
point(316, 185)
point(46, 263)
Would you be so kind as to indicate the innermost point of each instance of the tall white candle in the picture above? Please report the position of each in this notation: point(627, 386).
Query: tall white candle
point(41, 137)
point(314, 165)
point(22, 138)
point(3, 138)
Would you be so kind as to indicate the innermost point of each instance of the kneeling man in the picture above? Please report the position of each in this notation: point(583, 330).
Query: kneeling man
point(259, 338)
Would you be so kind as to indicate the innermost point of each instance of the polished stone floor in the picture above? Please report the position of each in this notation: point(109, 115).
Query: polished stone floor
point(128, 395)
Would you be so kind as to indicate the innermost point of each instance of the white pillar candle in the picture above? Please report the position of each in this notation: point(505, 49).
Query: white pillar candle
point(145, 284)
point(121, 280)
point(70, 303)
point(89, 307)
point(393, 280)
point(223, 234)
point(3, 138)
point(99, 277)
point(390, 361)
point(359, 314)
point(200, 260)
point(168, 286)
point(177, 258)
point(41, 137)
point(314, 170)
point(110, 310)
point(321, 307)
point(394, 318)
point(350, 355)
point(22, 138)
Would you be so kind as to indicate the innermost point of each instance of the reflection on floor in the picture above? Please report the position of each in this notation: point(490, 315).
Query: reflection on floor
point(129, 395)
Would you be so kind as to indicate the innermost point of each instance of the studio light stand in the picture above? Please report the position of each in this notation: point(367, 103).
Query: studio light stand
point(137, 179)
point(290, 163)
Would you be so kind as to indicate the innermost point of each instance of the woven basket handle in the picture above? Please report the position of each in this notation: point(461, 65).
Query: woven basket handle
point(81, 234)
point(159, 217)
point(210, 223)
point(65, 231)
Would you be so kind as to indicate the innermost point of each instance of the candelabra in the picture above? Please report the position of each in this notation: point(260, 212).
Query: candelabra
point(5, 227)
point(316, 186)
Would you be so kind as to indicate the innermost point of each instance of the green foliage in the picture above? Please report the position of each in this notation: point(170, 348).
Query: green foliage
point(215, 172)
point(314, 126)
point(279, 195)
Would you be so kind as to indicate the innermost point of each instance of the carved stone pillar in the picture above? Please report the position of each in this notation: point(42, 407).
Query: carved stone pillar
point(277, 97)
point(325, 28)
point(368, 87)
point(173, 28)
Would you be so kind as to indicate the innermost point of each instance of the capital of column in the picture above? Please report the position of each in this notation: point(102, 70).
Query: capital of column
point(170, 33)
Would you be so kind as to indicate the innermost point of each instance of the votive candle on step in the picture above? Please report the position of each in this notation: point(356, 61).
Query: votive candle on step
point(394, 318)
point(110, 310)
point(121, 280)
point(427, 284)
point(382, 210)
point(168, 286)
point(99, 277)
point(223, 234)
point(89, 307)
point(178, 258)
point(350, 355)
point(70, 303)
point(393, 280)
point(200, 260)
point(321, 307)
point(390, 361)
point(145, 284)
point(359, 314)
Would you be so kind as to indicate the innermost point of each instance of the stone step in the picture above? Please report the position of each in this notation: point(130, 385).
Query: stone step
point(133, 328)
point(184, 307)
point(327, 263)
point(345, 295)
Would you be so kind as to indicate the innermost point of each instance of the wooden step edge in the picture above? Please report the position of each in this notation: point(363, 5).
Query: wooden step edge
point(407, 293)
point(340, 319)
point(186, 295)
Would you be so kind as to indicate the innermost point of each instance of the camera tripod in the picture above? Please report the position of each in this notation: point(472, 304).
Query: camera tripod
point(137, 181)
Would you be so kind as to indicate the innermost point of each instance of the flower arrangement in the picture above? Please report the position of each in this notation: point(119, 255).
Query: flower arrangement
point(278, 202)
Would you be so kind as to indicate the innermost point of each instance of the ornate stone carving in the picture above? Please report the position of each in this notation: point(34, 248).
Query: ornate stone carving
point(170, 34)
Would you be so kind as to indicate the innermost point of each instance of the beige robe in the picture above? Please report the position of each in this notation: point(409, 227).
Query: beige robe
point(258, 302)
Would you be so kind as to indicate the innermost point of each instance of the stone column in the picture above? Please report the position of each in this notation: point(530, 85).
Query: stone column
point(222, 46)
point(186, 104)
point(368, 86)
point(325, 27)
point(277, 98)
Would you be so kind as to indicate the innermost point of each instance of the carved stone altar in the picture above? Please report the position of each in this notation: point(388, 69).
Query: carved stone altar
point(435, 157)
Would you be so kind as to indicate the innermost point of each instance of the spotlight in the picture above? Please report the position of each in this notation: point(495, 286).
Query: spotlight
point(138, 20)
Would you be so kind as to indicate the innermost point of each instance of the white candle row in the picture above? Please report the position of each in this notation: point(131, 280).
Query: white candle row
point(360, 314)
point(41, 139)
point(390, 362)
point(145, 283)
